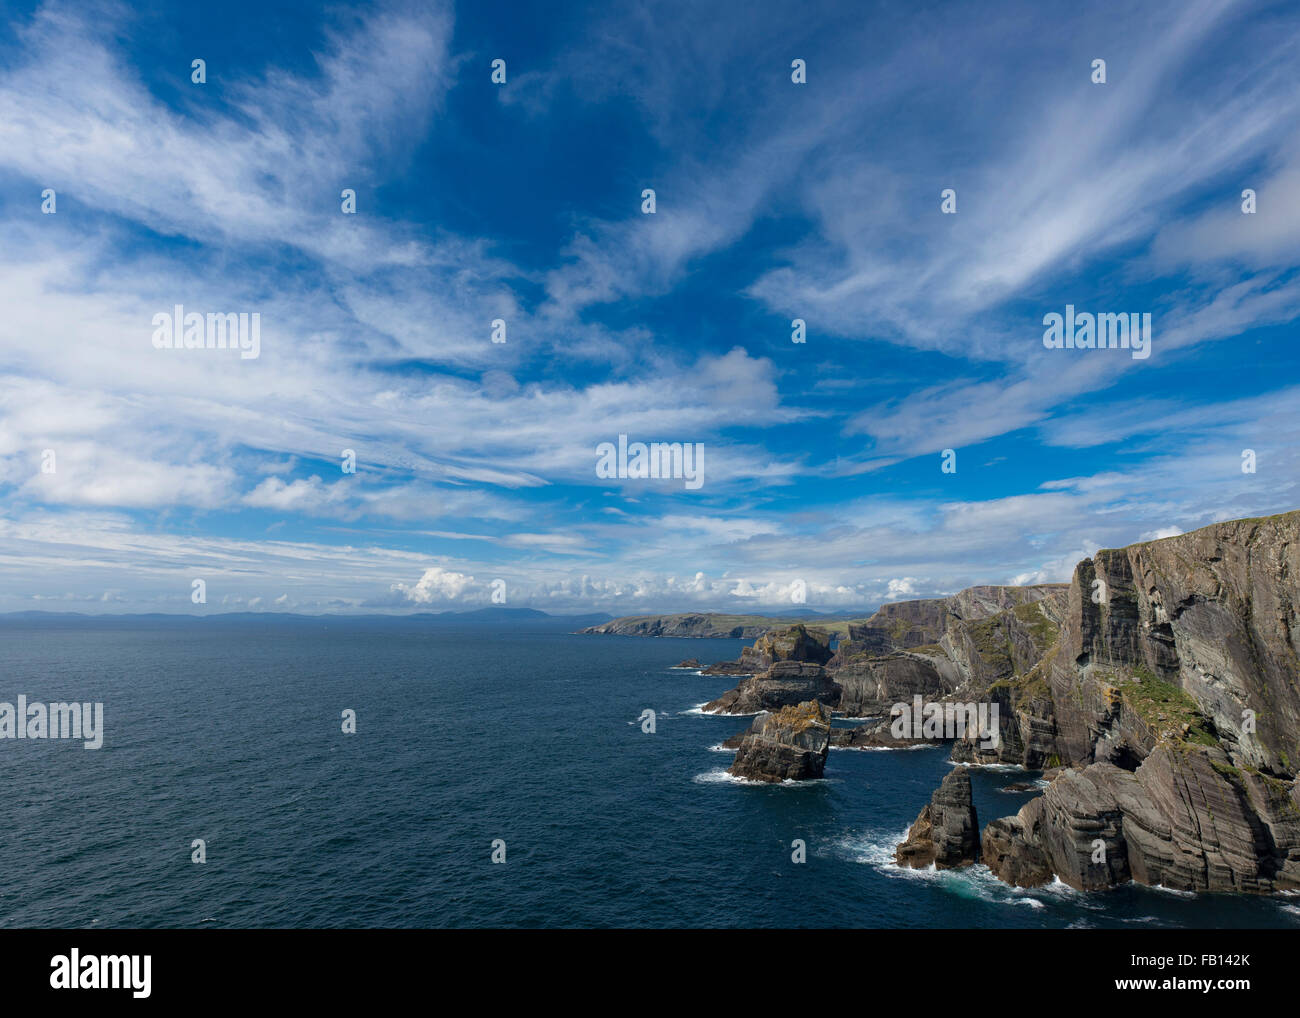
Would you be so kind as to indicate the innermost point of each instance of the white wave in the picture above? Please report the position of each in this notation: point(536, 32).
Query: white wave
point(1171, 890)
point(699, 711)
point(718, 747)
point(884, 749)
point(967, 882)
point(1033, 786)
point(660, 715)
point(722, 777)
point(987, 766)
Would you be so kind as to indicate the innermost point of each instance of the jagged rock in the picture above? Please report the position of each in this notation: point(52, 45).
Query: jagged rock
point(728, 668)
point(939, 647)
point(784, 684)
point(876, 734)
point(788, 745)
point(797, 643)
point(946, 832)
point(1186, 819)
point(1012, 857)
point(734, 741)
point(689, 663)
point(871, 685)
point(776, 683)
point(1170, 653)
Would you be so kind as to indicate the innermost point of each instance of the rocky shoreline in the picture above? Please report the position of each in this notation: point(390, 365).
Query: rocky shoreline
point(1159, 690)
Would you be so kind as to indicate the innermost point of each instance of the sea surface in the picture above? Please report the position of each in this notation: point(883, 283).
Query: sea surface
point(231, 732)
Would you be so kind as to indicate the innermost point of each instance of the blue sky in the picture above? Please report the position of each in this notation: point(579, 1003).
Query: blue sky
point(774, 201)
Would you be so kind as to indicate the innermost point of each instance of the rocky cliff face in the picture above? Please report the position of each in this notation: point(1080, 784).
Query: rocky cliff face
point(1172, 695)
point(946, 833)
point(789, 745)
point(797, 643)
point(789, 670)
point(710, 625)
point(946, 647)
point(785, 683)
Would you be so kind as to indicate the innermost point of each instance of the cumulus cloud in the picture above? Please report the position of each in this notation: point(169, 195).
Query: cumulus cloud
point(437, 584)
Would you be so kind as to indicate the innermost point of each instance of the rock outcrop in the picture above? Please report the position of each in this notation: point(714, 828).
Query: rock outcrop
point(1173, 695)
point(1159, 690)
point(943, 647)
point(788, 745)
point(946, 833)
point(1012, 855)
point(785, 683)
point(875, 734)
point(789, 667)
point(728, 668)
point(690, 662)
point(707, 625)
point(797, 643)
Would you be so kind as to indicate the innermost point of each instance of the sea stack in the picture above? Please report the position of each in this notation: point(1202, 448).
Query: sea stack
point(790, 744)
point(946, 832)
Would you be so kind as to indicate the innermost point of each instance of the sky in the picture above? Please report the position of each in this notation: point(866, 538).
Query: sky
point(129, 472)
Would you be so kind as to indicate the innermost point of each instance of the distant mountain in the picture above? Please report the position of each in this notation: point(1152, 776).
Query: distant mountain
point(502, 615)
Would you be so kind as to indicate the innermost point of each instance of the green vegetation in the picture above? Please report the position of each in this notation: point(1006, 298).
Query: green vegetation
point(1227, 770)
point(800, 717)
point(992, 643)
point(1041, 629)
point(1167, 709)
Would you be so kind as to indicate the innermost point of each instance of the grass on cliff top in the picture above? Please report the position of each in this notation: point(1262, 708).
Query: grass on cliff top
point(1256, 520)
point(1166, 709)
point(801, 716)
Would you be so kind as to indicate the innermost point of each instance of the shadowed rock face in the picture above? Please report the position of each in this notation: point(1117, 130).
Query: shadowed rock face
point(788, 745)
point(794, 644)
point(1012, 856)
point(1161, 686)
point(946, 832)
point(875, 734)
point(786, 668)
point(1172, 693)
point(945, 647)
point(784, 684)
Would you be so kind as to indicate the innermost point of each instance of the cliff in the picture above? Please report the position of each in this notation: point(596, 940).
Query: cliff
point(946, 647)
point(785, 668)
point(709, 625)
point(1171, 695)
point(789, 745)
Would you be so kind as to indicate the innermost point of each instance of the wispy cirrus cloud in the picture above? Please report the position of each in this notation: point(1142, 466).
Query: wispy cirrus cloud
point(775, 201)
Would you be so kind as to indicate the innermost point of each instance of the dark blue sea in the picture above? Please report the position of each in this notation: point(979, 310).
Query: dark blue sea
point(230, 732)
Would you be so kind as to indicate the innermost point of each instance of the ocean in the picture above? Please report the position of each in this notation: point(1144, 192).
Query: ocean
point(231, 732)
